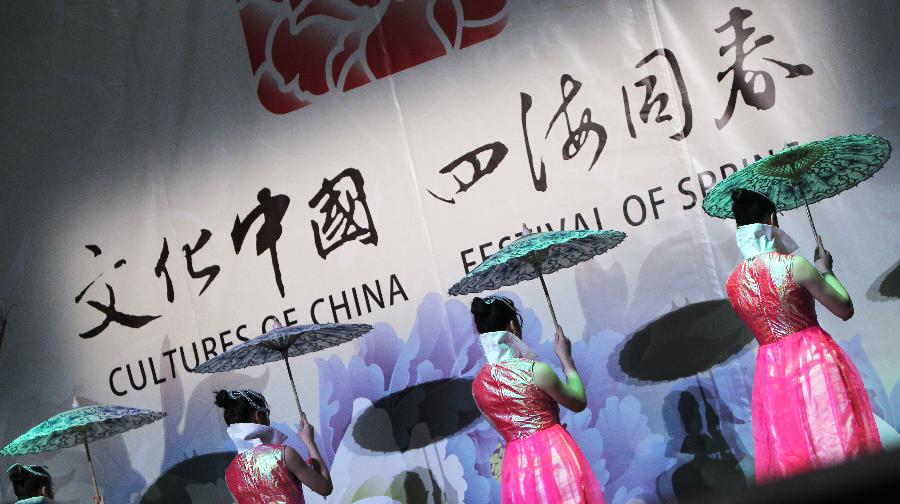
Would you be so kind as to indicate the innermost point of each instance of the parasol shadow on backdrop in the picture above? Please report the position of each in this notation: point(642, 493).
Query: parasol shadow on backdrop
point(201, 477)
point(683, 342)
point(887, 286)
point(417, 486)
point(417, 416)
point(709, 467)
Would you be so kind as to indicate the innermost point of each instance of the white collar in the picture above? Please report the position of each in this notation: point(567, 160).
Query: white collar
point(247, 436)
point(499, 346)
point(756, 239)
point(36, 500)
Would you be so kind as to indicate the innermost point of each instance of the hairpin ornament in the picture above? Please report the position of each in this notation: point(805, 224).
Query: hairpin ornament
point(37, 470)
point(503, 299)
point(251, 396)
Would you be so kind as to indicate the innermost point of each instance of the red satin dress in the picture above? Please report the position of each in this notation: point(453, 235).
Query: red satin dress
point(809, 406)
point(541, 463)
point(260, 476)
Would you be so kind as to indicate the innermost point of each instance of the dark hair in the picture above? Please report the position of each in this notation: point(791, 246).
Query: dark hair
point(494, 314)
point(238, 409)
point(27, 481)
point(750, 207)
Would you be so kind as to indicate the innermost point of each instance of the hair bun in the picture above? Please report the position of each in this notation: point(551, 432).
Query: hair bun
point(738, 194)
point(479, 307)
point(17, 473)
point(223, 399)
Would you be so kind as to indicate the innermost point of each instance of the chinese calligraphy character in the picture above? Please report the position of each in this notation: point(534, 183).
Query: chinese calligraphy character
point(109, 311)
point(538, 179)
point(210, 272)
point(161, 268)
point(661, 99)
point(346, 212)
point(112, 315)
point(578, 136)
point(743, 80)
point(498, 152)
point(272, 210)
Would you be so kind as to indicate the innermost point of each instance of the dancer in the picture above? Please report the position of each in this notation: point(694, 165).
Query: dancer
point(520, 397)
point(265, 470)
point(32, 484)
point(809, 406)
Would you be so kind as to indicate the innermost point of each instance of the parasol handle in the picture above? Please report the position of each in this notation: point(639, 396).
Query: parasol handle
point(284, 355)
point(550, 303)
point(811, 223)
point(809, 216)
point(87, 451)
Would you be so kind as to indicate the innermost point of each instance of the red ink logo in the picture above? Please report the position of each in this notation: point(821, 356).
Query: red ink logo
point(303, 49)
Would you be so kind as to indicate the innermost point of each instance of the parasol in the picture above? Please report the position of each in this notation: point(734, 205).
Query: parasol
point(281, 343)
point(80, 426)
point(804, 174)
point(534, 255)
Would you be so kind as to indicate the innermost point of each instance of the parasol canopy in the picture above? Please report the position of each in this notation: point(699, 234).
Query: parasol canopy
point(804, 174)
point(281, 343)
point(536, 254)
point(81, 425)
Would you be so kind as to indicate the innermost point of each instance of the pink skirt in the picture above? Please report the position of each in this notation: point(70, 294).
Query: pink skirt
point(548, 467)
point(810, 408)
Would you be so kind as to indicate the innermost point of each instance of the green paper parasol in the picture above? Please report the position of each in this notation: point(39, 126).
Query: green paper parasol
point(534, 255)
point(80, 426)
point(283, 342)
point(804, 174)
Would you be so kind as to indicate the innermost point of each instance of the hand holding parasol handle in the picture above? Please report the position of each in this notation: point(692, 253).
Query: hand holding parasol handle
point(91, 466)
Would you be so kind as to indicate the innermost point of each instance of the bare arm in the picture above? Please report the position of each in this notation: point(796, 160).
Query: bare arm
point(822, 283)
point(315, 476)
point(571, 393)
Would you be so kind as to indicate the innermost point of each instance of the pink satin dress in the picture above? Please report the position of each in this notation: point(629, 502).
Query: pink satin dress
point(809, 406)
point(260, 476)
point(541, 463)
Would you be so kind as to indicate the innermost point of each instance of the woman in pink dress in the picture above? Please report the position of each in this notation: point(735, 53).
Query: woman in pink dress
point(520, 397)
point(265, 471)
point(809, 406)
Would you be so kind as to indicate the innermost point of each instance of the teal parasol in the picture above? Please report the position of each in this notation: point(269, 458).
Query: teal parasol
point(534, 255)
point(805, 174)
point(282, 343)
point(80, 426)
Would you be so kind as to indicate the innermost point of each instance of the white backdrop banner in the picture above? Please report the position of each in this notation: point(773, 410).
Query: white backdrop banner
point(179, 174)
